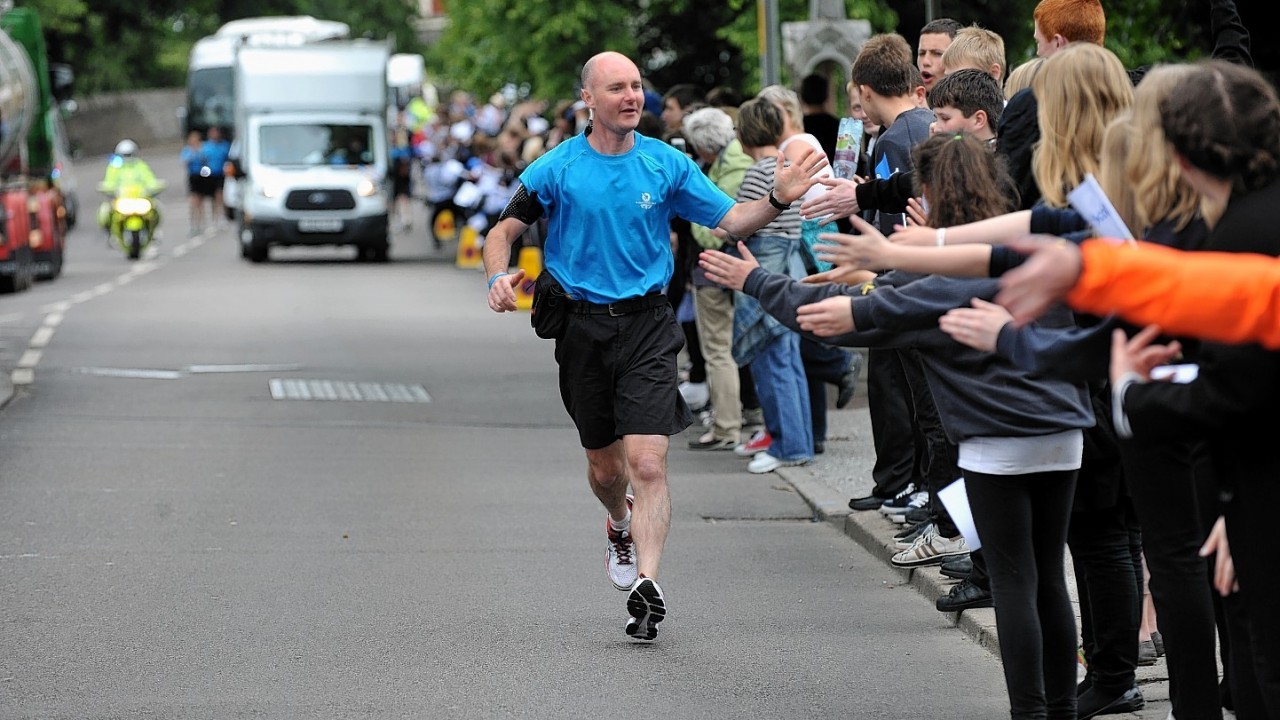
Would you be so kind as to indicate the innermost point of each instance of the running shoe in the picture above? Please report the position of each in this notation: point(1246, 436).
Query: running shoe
point(620, 554)
point(647, 608)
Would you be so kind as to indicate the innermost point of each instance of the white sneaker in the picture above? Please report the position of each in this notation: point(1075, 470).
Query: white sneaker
point(931, 549)
point(620, 555)
point(764, 462)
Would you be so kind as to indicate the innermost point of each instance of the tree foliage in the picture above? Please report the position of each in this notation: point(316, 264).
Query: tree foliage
point(539, 45)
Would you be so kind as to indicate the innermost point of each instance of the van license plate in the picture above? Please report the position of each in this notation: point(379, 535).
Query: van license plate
point(320, 225)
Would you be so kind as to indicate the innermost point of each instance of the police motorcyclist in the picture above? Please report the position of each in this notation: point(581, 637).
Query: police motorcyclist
point(126, 169)
point(128, 175)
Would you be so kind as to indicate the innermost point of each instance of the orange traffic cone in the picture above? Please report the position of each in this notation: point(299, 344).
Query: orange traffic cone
point(468, 248)
point(530, 261)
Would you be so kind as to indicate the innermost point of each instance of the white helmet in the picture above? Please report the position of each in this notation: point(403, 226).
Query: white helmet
point(126, 148)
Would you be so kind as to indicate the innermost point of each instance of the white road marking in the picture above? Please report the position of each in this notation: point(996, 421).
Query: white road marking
point(296, 389)
point(202, 369)
point(41, 337)
point(140, 373)
point(24, 374)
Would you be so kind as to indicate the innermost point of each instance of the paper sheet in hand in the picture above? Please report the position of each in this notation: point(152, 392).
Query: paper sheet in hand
point(956, 500)
point(1180, 374)
point(1094, 206)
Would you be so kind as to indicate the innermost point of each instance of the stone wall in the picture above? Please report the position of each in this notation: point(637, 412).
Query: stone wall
point(148, 117)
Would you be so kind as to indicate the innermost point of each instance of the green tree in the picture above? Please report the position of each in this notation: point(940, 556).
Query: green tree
point(542, 44)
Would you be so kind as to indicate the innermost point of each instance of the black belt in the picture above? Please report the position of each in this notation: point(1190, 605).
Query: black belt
point(621, 307)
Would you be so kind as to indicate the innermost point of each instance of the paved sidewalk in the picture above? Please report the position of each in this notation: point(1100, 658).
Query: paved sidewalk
point(844, 471)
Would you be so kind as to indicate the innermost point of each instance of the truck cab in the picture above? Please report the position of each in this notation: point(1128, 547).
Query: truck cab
point(311, 152)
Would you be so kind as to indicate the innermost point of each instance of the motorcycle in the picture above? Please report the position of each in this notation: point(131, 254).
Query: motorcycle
point(131, 217)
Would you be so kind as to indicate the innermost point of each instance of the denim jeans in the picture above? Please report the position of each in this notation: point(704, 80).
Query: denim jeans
point(784, 397)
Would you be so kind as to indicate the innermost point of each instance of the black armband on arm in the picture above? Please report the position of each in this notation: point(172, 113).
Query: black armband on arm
point(524, 206)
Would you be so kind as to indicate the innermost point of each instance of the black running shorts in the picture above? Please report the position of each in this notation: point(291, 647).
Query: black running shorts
point(618, 375)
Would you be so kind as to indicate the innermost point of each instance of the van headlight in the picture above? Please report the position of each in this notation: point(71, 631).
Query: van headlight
point(271, 189)
point(367, 188)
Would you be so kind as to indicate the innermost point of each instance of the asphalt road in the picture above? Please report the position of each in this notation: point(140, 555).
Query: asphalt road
point(182, 538)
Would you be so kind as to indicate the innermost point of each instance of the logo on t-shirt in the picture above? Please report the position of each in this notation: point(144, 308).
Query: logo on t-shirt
point(646, 201)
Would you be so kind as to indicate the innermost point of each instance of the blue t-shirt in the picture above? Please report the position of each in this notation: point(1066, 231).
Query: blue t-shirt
point(193, 160)
point(215, 155)
point(609, 231)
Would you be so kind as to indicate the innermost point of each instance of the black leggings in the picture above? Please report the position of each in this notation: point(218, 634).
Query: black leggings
point(1022, 521)
point(1162, 480)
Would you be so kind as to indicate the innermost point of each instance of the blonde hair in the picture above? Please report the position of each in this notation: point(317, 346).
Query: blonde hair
point(975, 47)
point(788, 101)
point(1020, 77)
point(1079, 90)
point(1117, 140)
point(1152, 171)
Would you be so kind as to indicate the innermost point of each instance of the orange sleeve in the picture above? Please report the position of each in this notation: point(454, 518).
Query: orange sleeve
point(1223, 297)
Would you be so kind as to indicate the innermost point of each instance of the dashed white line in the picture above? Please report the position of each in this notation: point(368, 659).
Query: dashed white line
point(41, 337)
point(24, 373)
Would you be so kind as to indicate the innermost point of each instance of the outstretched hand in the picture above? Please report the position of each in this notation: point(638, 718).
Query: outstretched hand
point(840, 199)
point(1046, 277)
point(864, 251)
point(791, 180)
point(502, 295)
point(828, 317)
point(977, 326)
point(726, 270)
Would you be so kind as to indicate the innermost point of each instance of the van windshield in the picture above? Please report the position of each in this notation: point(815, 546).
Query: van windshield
point(316, 144)
point(210, 98)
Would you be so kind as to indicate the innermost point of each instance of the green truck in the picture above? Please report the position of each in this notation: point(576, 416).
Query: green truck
point(33, 207)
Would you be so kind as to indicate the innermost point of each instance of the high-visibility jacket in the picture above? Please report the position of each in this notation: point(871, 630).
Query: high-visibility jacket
point(128, 172)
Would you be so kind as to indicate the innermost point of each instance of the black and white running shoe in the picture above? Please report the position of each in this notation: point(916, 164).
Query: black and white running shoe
point(647, 608)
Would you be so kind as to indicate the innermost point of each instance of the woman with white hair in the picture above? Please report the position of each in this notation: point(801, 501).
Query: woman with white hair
point(710, 134)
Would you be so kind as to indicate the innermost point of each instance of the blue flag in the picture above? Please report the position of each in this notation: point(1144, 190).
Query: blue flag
point(882, 168)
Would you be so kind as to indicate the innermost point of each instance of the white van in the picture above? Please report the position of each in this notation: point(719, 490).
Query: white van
point(311, 152)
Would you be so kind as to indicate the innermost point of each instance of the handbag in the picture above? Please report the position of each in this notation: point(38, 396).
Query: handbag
point(550, 311)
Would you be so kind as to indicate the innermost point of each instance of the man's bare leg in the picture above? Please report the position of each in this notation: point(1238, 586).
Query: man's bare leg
point(651, 517)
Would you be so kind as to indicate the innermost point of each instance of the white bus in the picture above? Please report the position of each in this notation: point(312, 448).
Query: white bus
point(210, 94)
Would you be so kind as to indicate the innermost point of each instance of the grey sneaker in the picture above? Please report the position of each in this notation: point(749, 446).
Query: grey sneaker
point(647, 608)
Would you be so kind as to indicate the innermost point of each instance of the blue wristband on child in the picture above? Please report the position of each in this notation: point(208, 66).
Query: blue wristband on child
point(495, 277)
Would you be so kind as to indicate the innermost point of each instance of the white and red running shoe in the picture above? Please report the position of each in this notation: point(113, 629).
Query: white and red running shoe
point(620, 554)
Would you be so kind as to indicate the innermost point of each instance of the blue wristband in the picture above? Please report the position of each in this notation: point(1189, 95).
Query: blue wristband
point(495, 277)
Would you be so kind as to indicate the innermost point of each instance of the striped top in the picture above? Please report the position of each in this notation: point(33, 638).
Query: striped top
point(756, 184)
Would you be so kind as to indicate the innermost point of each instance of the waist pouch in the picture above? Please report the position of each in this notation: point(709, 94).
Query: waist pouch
point(550, 310)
